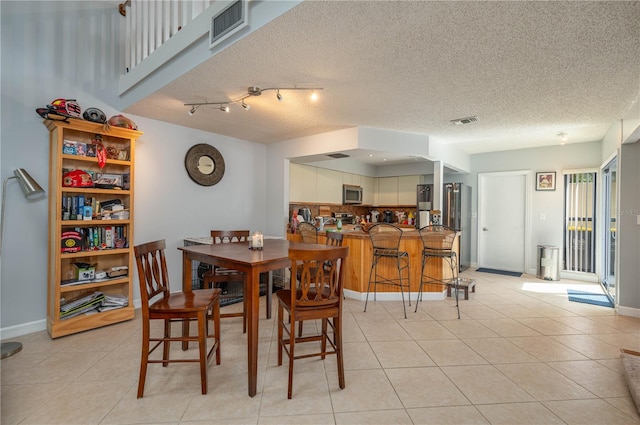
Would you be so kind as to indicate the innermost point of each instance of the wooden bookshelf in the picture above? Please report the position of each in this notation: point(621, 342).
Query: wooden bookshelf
point(104, 253)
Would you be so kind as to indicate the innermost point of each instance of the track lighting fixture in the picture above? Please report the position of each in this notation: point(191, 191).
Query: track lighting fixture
point(251, 92)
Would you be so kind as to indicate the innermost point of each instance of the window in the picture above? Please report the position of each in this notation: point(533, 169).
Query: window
point(579, 221)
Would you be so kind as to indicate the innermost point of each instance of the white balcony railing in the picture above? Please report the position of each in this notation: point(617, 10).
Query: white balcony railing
point(151, 23)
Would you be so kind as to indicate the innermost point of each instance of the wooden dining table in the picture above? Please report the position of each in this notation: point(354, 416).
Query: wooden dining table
point(273, 256)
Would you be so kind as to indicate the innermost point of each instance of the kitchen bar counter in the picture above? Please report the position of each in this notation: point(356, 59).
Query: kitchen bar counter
point(361, 254)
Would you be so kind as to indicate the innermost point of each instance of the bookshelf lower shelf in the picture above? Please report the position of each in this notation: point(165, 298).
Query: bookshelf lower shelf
point(86, 322)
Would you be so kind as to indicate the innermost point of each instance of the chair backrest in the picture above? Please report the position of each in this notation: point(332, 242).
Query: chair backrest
point(334, 238)
point(321, 276)
point(309, 232)
point(385, 236)
point(437, 238)
point(224, 236)
point(152, 272)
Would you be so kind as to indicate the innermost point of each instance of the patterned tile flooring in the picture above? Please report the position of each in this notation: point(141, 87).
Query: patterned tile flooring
point(520, 354)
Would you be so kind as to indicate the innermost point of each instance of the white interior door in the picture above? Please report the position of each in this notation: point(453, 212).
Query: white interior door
point(502, 218)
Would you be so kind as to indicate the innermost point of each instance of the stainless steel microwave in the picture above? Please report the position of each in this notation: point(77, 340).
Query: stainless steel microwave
point(351, 194)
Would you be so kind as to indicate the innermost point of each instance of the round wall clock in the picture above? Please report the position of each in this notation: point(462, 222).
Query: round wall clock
point(205, 164)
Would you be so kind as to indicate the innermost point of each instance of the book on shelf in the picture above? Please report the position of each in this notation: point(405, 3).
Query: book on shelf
point(81, 305)
point(95, 302)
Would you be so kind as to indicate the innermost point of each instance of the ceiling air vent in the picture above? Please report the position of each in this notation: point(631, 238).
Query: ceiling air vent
point(338, 155)
point(228, 22)
point(467, 120)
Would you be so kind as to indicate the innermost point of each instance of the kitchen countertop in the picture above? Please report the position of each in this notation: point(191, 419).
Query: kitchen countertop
point(349, 231)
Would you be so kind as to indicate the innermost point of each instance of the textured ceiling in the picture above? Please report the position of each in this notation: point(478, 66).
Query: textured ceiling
point(527, 70)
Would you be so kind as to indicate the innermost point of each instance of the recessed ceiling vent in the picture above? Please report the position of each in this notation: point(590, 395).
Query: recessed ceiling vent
point(228, 22)
point(338, 155)
point(467, 120)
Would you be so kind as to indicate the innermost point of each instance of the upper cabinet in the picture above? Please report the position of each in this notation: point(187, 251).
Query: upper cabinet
point(369, 189)
point(302, 183)
point(388, 191)
point(320, 185)
point(329, 186)
point(407, 189)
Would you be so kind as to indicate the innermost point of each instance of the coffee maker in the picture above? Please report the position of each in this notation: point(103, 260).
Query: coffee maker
point(388, 216)
point(374, 216)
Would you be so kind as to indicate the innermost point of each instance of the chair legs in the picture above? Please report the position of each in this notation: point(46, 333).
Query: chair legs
point(375, 277)
point(288, 343)
point(453, 264)
point(204, 357)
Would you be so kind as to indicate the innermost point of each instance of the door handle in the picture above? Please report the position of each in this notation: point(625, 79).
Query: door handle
point(484, 229)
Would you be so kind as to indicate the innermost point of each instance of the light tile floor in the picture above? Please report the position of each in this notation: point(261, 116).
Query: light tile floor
point(520, 354)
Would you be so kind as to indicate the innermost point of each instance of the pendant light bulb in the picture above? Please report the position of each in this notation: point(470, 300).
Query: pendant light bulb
point(192, 110)
point(314, 96)
point(224, 108)
point(245, 106)
point(279, 96)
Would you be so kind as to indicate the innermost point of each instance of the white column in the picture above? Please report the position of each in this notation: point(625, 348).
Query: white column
point(438, 181)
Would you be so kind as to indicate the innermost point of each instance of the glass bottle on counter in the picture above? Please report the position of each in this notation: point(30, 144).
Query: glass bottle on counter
point(339, 224)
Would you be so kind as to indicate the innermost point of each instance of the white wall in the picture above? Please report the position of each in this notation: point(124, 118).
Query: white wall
point(49, 54)
point(556, 158)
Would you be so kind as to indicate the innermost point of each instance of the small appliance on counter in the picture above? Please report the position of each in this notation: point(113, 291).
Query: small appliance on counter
point(305, 213)
point(346, 218)
point(388, 216)
point(374, 216)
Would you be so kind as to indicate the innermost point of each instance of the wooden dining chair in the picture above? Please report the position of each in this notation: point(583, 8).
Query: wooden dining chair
point(332, 239)
point(158, 303)
point(309, 232)
point(319, 297)
point(220, 277)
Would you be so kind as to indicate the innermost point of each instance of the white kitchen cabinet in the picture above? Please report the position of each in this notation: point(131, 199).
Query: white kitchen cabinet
point(407, 189)
point(302, 183)
point(388, 191)
point(354, 179)
point(329, 186)
point(368, 189)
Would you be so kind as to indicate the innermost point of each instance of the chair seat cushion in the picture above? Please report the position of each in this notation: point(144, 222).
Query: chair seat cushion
point(197, 300)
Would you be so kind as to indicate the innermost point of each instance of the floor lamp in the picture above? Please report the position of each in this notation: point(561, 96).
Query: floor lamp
point(31, 190)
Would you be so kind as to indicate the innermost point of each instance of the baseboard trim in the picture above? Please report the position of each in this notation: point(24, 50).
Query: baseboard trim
point(395, 296)
point(628, 311)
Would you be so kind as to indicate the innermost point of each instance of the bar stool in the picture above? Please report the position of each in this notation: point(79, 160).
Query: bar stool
point(385, 239)
point(437, 242)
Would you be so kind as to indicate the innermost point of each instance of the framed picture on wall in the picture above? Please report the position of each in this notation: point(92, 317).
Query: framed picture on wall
point(546, 180)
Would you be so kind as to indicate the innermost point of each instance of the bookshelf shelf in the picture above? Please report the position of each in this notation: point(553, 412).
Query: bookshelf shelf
point(94, 223)
point(89, 284)
point(66, 232)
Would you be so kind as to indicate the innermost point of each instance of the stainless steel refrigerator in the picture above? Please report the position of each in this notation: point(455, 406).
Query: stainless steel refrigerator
point(456, 213)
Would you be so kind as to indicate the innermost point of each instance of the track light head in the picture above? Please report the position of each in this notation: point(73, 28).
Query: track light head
point(252, 91)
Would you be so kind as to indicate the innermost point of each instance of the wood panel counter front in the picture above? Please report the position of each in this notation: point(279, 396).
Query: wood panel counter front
point(361, 256)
